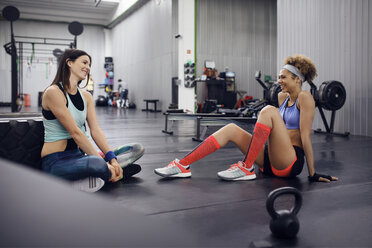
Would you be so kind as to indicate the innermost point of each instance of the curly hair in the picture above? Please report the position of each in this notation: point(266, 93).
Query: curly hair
point(303, 64)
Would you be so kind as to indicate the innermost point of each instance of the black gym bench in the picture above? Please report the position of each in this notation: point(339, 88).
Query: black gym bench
point(154, 101)
point(205, 120)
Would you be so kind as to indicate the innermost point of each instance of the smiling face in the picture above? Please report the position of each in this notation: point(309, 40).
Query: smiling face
point(287, 81)
point(80, 67)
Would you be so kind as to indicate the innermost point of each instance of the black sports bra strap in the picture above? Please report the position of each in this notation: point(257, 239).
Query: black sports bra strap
point(47, 113)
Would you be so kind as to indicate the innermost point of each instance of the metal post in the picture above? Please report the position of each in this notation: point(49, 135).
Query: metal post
point(14, 72)
point(332, 120)
point(198, 128)
point(166, 122)
point(166, 125)
point(324, 119)
point(197, 138)
point(20, 74)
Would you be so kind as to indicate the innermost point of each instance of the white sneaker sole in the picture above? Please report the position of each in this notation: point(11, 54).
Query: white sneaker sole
point(243, 178)
point(182, 175)
point(250, 177)
point(89, 184)
point(173, 175)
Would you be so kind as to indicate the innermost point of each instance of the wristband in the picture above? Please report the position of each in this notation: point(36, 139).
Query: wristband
point(109, 156)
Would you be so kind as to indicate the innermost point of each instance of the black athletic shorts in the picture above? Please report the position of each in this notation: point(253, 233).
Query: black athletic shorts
point(296, 167)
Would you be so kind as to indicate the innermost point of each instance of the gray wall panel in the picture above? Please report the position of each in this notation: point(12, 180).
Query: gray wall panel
point(369, 84)
point(143, 53)
point(336, 35)
point(174, 40)
point(5, 63)
point(240, 34)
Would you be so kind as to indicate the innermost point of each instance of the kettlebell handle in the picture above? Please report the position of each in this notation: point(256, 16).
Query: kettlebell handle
point(283, 191)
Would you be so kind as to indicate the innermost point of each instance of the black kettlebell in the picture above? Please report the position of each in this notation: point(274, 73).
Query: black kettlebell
point(284, 223)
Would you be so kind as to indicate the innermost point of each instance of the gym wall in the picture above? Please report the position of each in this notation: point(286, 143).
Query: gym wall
point(239, 34)
point(38, 75)
point(336, 35)
point(142, 52)
point(174, 40)
point(5, 63)
point(145, 50)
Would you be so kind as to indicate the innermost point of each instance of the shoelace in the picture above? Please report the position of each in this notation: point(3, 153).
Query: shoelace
point(233, 166)
point(171, 164)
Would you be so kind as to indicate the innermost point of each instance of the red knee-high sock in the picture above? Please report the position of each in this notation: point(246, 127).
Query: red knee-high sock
point(260, 134)
point(208, 146)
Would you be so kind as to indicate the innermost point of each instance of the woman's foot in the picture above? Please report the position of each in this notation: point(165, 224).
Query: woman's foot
point(128, 154)
point(237, 172)
point(89, 184)
point(131, 170)
point(174, 169)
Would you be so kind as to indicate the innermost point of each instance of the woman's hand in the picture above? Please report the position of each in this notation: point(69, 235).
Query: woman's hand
point(322, 178)
point(114, 177)
point(118, 169)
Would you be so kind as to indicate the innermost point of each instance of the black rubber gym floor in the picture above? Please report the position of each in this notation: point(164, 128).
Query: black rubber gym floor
point(203, 211)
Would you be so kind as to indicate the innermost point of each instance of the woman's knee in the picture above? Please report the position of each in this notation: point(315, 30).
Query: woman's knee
point(269, 109)
point(235, 133)
point(97, 165)
point(268, 114)
point(226, 130)
point(226, 134)
point(232, 128)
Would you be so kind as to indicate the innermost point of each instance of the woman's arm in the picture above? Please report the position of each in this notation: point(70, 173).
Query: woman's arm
point(307, 110)
point(96, 131)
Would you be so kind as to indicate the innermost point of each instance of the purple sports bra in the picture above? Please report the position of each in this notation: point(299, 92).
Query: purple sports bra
point(290, 115)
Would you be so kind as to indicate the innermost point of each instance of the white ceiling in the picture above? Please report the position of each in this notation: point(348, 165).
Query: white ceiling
point(83, 11)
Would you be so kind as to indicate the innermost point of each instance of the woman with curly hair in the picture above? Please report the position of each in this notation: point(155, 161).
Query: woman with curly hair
point(287, 132)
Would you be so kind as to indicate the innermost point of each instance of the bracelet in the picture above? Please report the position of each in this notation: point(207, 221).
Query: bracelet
point(109, 156)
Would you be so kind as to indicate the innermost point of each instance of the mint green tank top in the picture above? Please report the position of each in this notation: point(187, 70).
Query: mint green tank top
point(53, 129)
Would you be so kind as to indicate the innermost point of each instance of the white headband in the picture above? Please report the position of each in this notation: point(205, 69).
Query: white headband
point(295, 71)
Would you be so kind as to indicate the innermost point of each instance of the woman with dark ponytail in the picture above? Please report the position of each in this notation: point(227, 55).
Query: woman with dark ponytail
point(286, 130)
point(67, 151)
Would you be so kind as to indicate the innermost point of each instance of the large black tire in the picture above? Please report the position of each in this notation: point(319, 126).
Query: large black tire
point(21, 140)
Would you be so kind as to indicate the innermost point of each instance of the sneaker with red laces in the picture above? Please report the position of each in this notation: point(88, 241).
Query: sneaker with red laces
point(237, 171)
point(174, 169)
